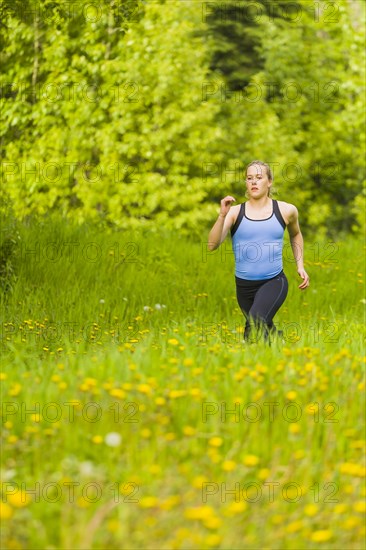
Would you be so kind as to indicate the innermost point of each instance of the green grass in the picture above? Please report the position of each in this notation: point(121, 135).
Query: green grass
point(161, 378)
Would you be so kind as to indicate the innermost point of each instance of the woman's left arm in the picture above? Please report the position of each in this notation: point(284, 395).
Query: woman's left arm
point(297, 245)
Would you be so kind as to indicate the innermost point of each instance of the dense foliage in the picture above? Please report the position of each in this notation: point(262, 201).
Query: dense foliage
point(139, 113)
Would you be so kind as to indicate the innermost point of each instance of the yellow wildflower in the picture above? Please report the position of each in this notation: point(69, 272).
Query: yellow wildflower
point(251, 460)
point(5, 510)
point(215, 441)
point(323, 535)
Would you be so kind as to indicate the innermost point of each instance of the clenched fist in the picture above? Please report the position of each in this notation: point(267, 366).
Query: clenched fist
point(225, 205)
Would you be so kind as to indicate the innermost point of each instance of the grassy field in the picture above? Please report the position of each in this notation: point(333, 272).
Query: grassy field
point(135, 417)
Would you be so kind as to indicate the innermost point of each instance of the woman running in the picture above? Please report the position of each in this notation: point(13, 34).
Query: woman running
point(257, 228)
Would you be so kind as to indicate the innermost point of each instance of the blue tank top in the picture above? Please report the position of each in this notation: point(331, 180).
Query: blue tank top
point(258, 244)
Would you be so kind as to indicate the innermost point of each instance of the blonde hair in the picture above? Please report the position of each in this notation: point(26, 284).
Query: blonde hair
point(268, 170)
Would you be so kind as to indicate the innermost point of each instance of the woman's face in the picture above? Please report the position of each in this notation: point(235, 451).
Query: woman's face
point(257, 181)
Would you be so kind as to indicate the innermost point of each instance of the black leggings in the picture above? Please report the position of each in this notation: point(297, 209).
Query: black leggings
point(260, 301)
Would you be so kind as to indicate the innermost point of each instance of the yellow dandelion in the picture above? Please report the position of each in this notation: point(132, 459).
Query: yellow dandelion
point(91, 381)
point(309, 366)
point(199, 512)
point(160, 401)
point(258, 394)
point(170, 502)
point(196, 371)
point(236, 508)
point(212, 522)
point(340, 508)
point(117, 392)
point(128, 488)
point(82, 502)
point(358, 444)
point(199, 481)
point(351, 522)
point(173, 341)
point(360, 506)
point(323, 535)
point(15, 390)
point(31, 429)
point(294, 526)
point(148, 502)
point(188, 362)
point(216, 441)
point(228, 465)
point(277, 519)
point(250, 460)
point(175, 394)
point(348, 489)
point(19, 499)
point(6, 511)
point(293, 492)
point(312, 408)
point(144, 388)
point(97, 439)
point(291, 395)
point(155, 469)
point(263, 473)
point(352, 469)
point(113, 525)
point(311, 510)
point(294, 428)
point(239, 400)
point(189, 430)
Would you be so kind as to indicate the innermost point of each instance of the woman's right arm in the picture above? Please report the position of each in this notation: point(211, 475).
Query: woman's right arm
point(223, 223)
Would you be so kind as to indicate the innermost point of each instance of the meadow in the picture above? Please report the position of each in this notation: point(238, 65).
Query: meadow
point(134, 416)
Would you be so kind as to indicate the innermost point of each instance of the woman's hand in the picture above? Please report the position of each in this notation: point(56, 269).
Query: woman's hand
point(225, 205)
point(305, 277)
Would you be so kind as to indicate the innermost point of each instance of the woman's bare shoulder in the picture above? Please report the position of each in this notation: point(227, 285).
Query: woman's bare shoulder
point(287, 210)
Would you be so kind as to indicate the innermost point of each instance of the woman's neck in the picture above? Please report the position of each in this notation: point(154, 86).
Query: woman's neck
point(260, 204)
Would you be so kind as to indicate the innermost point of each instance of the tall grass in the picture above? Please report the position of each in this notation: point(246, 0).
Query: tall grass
point(125, 370)
point(70, 274)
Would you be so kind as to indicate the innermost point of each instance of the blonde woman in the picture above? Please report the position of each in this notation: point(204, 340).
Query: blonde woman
point(257, 227)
